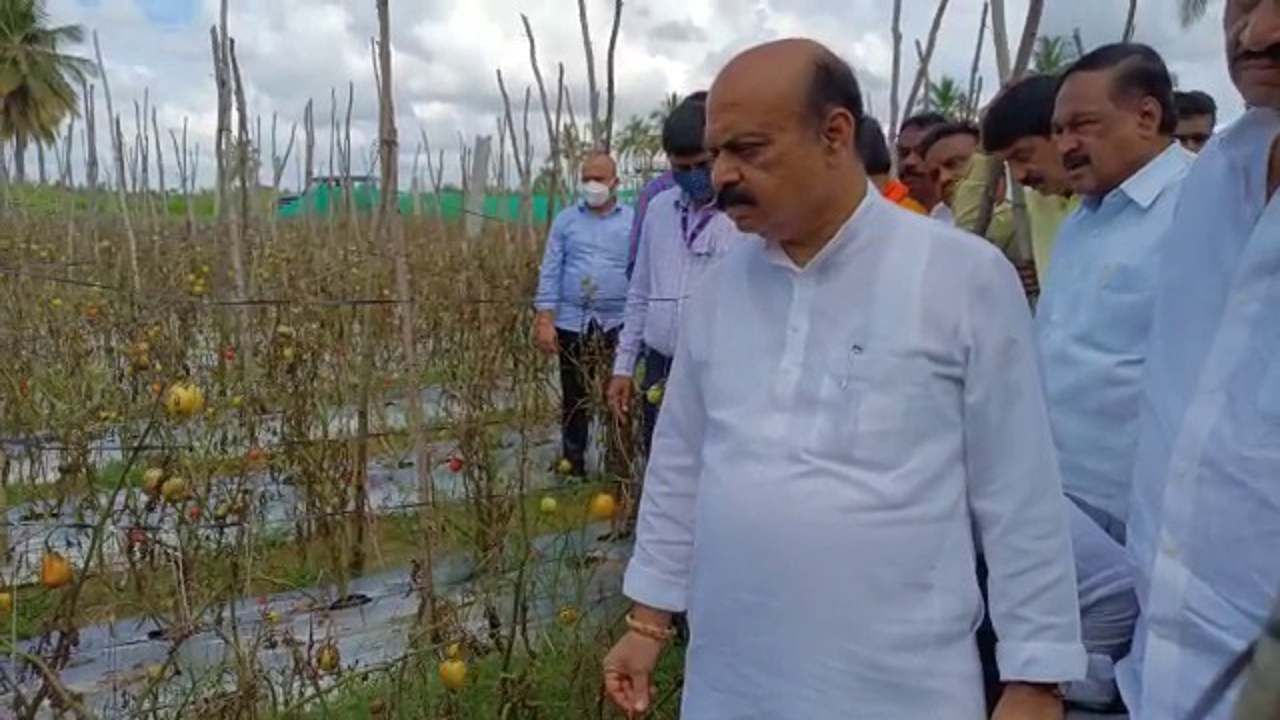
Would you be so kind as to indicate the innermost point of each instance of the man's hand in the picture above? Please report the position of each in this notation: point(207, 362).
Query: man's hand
point(544, 334)
point(628, 673)
point(1026, 701)
point(619, 395)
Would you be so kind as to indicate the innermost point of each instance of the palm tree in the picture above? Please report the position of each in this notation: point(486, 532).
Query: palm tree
point(947, 98)
point(1053, 54)
point(37, 81)
point(666, 107)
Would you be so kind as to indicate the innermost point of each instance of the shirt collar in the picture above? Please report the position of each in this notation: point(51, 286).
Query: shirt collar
point(1144, 186)
point(586, 209)
point(858, 226)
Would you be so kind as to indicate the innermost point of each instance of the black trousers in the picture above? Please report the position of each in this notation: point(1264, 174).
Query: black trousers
point(586, 364)
point(656, 369)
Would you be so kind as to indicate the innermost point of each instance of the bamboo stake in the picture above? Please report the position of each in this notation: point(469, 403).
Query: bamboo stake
point(1130, 23)
point(975, 91)
point(390, 207)
point(116, 142)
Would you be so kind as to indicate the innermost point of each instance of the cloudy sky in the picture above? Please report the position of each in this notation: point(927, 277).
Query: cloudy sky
point(446, 52)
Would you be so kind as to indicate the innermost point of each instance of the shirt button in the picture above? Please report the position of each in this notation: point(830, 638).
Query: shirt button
point(1169, 550)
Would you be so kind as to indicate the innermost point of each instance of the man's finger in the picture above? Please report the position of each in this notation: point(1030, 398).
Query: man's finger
point(640, 692)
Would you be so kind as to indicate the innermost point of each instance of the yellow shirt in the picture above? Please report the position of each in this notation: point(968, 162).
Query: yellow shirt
point(1045, 212)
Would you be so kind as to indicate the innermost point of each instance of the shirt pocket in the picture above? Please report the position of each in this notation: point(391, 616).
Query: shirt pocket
point(866, 411)
point(1124, 309)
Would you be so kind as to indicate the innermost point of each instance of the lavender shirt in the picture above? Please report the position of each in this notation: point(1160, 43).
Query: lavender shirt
point(671, 261)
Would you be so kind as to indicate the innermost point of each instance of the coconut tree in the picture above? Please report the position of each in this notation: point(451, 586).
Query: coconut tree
point(946, 97)
point(1053, 54)
point(37, 80)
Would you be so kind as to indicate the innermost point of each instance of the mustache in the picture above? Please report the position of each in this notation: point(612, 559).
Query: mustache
point(732, 195)
point(1075, 161)
point(1271, 53)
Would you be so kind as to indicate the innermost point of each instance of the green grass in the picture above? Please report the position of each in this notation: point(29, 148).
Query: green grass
point(562, 679)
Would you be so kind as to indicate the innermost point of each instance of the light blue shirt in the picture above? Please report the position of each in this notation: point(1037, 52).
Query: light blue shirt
point(584, 268)
point(1204, 529)
point(1092, 325)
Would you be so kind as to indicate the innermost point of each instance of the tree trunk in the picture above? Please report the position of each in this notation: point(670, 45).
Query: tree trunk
point(390, 207)
point(922, 75)
point(20, 157)
point(1131, 22)
point(895, 82)
point(609, 80)
point(593, 90)
point(41, 169)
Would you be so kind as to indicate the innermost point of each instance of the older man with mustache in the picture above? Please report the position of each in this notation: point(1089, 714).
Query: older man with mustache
point(1204, 523)
point(1113, 125)
point(835, 442)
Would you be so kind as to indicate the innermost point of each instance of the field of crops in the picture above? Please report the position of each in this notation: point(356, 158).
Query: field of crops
point(215, 508)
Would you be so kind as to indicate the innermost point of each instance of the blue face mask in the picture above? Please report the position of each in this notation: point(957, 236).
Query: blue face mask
point(696, 183)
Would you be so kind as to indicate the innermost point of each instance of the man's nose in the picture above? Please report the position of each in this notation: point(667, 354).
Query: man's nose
point(724, 172)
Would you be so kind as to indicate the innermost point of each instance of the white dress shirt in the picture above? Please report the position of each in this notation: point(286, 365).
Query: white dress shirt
point(1092, 324)
point(830, 439)
point(668, 266)
point(1204, 527)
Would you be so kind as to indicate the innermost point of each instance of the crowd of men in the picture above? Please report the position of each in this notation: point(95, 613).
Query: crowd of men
point(908, 459)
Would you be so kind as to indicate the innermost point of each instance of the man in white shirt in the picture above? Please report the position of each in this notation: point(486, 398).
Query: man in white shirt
point(1204, 521)
point(836, 430)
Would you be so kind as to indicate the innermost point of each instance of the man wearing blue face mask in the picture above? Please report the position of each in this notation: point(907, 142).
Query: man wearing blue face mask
point(682, 236)
point(582, 291)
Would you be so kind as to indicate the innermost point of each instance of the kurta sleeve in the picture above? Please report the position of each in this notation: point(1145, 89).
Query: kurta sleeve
point(1015, 491)
point(550, 274)
point(658, 574)
point(638, 294)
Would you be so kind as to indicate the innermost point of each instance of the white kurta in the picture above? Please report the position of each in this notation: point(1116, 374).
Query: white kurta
point(830, 438)
point(1205, 519)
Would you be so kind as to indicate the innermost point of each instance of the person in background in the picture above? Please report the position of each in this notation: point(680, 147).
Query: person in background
point(874, 151)
point(1113, 126)
point(652, 189)
point(1204, 522)
point(1197, 117)
point(683, 235)
point(912, 170)
point(582, 289)
point(1017, 128)
point(948, 152)
point(836, 436)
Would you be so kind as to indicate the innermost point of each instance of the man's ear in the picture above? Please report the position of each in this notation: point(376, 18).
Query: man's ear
point(840, 131)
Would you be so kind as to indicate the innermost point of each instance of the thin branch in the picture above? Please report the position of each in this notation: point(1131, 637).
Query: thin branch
point(923, 71)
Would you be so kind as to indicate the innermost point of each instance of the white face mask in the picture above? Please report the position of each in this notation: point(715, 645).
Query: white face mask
point(596, 194)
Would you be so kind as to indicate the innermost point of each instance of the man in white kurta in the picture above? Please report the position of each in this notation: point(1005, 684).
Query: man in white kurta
point(841, 417)
point(1205, 515)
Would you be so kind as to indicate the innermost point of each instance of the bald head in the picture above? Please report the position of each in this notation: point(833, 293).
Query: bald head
point(599, 166)
point(782, 125)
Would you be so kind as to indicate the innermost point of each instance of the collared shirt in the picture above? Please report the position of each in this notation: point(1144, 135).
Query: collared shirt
point(652, 189)
point(1092, 325)
point(678, 244)
point(1205, 523)
point(584, 268)
point(830, 439)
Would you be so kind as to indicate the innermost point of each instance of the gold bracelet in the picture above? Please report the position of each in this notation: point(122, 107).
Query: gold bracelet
point(653, 632)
